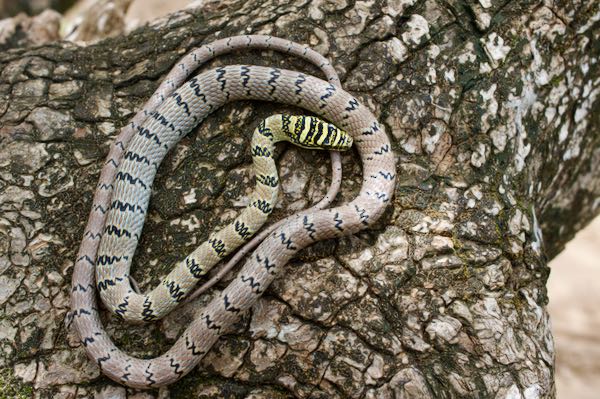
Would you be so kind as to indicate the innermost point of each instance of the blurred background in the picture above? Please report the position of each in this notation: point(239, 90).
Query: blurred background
point(574, 292)
point(574, 284)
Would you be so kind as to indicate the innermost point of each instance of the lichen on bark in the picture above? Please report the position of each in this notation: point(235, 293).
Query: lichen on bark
point(493, 114)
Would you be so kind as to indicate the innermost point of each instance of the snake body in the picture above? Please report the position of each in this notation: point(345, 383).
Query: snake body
point(132, 193)
point(202, 95)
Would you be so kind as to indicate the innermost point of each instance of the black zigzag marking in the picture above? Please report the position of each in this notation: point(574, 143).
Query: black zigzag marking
point(262, 129)
point(100, 208)
point(122, 307)
point(254, 285)
point(229, 307)
point(328, 93)
point(373, 129)
point(103, 285)
point(259, 151)
point(197, 90)
point(174, 290)
point(109, 260)
point(270, 181)
point(147, 313)
point(310, 227)
point(301, 79)
point(149, 376)
point(275, 74)
point(125, 376)
point(268, 265)
point(119, 143)
point(93, 236)
point(192, 346)
point(88, 340)
point(79, 287)
point(116, 165)
point(124, 206)
point(218, 246)
point(102, 359)
point(87, 259)
point(125, 176)
point(163, 120)
point(111, 229)
point(103, 186)
point(211, 324)
point(263, 206)
point(380, 196)
point(245, 77)
point(286, 241)
point(383, 149)
point(362, 214)
point(221, 77)
point(182, 103)
point(175, 367)
point(387, 175)
point(352, 105)
point(194, 268)
point(242, 229)
point(338, 222)
point(142, 131)
point(80, 312)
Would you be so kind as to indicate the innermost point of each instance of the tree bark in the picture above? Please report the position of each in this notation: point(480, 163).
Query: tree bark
point(493, 112)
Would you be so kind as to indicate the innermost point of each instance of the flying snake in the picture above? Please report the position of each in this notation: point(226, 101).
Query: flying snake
point(173, 110)
point(132, 194)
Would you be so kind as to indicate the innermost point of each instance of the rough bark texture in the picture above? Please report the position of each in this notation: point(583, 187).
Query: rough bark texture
point(493, 111)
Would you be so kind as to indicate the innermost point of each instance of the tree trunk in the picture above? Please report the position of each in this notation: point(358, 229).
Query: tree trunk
point(493, 112)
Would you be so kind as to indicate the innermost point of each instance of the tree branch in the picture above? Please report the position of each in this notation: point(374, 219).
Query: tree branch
point(493, 111)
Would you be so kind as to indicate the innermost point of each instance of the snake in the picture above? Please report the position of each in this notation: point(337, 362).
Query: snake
point(132, 193)
point(178, 106)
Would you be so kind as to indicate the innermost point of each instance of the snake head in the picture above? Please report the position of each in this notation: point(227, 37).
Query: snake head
point(314, 133)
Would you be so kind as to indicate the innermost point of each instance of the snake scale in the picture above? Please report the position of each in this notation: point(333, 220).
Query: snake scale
point(165, 118)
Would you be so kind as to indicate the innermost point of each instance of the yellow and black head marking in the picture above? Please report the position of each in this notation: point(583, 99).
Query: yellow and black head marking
point(310, 132)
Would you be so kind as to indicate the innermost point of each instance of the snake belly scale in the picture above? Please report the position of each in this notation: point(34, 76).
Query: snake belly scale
point(202, 95)
point(132, 194)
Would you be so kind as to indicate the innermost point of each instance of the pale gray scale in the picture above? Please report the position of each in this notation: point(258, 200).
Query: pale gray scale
point(125, 221)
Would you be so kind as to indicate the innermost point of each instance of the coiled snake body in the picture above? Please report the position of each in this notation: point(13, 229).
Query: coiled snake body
point(132, 194)
point(164, 118)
